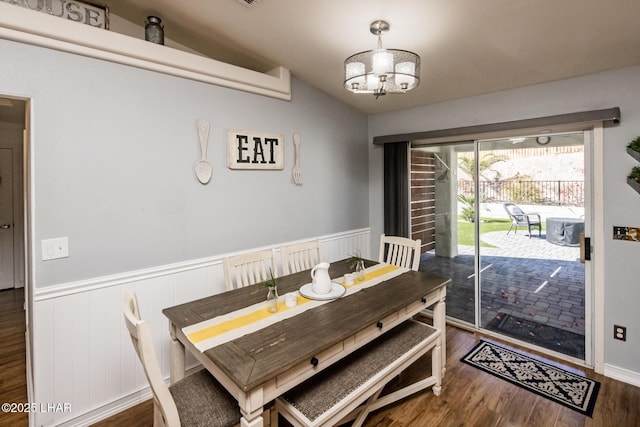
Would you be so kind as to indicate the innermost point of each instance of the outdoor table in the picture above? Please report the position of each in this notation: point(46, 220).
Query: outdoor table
point(564, 231)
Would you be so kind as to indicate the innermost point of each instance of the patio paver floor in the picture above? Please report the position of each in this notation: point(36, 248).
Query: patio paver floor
point(529, 278)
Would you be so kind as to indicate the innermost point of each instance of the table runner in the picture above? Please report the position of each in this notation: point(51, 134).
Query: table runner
point(221, 329)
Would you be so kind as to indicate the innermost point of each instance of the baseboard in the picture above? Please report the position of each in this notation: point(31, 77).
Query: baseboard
point(108, 410)
point(622, 374)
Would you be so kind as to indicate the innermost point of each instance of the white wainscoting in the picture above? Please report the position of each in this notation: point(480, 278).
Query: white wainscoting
point(82, 353)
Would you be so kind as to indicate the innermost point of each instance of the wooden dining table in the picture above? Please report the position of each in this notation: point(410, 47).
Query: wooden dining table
point(260, 366)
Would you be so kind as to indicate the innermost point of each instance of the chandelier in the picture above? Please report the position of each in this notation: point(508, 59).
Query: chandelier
point(381, 71)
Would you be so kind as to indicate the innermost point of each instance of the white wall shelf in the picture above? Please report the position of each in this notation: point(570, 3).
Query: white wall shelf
point(36, 28)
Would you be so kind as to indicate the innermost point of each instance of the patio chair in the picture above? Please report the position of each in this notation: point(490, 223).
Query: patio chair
point(520, 218)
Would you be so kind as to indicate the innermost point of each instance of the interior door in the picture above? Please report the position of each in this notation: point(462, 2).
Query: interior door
point(6, 219)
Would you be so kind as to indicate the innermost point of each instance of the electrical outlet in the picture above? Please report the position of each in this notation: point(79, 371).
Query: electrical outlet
point(620, 332)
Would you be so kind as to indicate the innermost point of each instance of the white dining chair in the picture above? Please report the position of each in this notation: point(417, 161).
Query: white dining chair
point(197, 399)
point(400, 251)
point(300, 256)
point(248, 268)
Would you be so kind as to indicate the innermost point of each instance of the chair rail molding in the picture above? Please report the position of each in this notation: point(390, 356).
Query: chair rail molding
point(334, 247)
point(39, 29)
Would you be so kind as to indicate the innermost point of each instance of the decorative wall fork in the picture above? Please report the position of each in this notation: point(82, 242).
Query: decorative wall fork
point(297, 171)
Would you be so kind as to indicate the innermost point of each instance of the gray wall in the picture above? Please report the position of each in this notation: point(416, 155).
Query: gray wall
point(114, 151)
point(622, 204)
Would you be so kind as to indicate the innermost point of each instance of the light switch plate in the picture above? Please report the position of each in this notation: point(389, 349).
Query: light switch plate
point(55, 248)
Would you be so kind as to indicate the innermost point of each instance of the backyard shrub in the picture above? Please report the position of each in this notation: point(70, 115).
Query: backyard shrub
point(468, 212)
point(529, 194)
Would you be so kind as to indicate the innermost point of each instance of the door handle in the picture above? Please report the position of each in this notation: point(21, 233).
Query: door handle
point(5, 226)
point(585, 248)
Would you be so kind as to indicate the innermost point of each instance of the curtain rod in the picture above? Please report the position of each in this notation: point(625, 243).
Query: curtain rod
point(606, 115)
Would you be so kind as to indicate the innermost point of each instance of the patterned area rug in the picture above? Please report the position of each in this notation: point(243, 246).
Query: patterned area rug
point(566, 388)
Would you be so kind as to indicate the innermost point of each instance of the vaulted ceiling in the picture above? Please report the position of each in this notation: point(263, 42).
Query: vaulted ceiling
point(467, 47)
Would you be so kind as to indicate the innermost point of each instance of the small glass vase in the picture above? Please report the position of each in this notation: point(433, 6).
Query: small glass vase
point(272, 299)
point(360, 270)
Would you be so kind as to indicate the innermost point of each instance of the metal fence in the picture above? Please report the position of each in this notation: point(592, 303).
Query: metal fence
point(558, 193)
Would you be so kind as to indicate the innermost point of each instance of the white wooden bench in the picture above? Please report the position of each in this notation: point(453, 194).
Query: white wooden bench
point(351, 388)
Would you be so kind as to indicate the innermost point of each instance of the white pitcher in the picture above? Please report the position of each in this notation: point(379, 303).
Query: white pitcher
point(320, 281)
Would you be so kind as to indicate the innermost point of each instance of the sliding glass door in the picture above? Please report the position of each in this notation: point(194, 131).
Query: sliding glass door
point(532, 283)
point(507, 217)
point(442, 216)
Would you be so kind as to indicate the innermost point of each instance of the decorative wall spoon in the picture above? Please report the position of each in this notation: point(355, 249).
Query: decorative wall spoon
point(203, 167)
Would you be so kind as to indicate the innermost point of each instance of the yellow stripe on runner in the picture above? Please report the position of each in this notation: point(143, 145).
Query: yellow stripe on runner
point(238, 322)
point(372, 275)
point(263, 313)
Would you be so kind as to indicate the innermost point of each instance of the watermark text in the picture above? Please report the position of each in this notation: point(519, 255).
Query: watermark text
point(35, 407)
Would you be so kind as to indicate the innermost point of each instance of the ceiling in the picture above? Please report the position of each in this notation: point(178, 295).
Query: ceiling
point(467, 47)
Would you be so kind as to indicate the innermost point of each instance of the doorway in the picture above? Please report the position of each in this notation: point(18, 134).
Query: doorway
point(12, 252)
point(7, 273)
point(16, 289)
point(521, 280)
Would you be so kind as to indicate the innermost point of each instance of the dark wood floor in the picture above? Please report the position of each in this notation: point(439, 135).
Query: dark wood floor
point(470, 397)
point(13, 374)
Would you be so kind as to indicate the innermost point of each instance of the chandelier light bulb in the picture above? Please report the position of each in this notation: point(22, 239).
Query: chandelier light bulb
point(372, 82)
point(382, 62)
point(404, 74)
point(355, 74)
